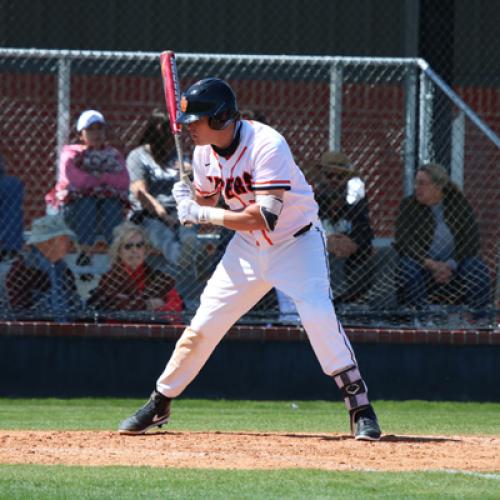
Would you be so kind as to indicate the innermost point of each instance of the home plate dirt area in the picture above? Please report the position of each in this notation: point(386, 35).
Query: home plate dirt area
point(251, 450)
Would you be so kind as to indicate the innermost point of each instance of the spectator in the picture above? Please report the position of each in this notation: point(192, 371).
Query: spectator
point(39, 281)
point(153, 172)
point(92, 186)
point(344, 212)
point(131, 284)
point(11, 214)
point(437, 238)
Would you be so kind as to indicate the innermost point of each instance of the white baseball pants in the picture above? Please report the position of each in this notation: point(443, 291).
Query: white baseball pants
point(244, 275)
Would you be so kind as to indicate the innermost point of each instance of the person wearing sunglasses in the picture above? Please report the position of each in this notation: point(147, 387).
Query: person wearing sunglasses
point(131, 284)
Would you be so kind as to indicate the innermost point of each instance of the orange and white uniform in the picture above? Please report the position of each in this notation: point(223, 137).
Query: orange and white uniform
point(256, 261)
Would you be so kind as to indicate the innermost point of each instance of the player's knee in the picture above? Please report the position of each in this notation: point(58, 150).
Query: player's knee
point(189, 339)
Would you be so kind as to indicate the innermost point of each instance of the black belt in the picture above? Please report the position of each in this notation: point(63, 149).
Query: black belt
point(303, 230)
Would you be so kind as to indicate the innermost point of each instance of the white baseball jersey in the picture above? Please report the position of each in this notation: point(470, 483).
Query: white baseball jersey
point(262, 161)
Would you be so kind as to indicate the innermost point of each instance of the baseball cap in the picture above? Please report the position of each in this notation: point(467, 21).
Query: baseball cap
point(336, 160)
point(330, 161)
point(48, 227)
point(88, 118)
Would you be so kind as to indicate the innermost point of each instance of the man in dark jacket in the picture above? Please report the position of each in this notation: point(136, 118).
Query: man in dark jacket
point(11, 213)
point(39, 283)
point(437, 238)
point(344, 212)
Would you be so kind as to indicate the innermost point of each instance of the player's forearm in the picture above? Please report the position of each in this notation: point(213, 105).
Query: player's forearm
point(247, 220)
point(261, 215)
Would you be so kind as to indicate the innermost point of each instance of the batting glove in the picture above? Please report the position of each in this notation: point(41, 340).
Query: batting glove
point(181, 191)
point(190, 212)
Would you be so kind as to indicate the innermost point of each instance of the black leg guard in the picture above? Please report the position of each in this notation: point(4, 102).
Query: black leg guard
point(364, 424)
point(354, 392)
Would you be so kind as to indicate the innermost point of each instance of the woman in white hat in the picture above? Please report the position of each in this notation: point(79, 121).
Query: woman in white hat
point(92, 186)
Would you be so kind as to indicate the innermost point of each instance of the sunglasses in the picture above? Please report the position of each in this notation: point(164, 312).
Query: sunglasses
point(139, 244)
point(336, 176)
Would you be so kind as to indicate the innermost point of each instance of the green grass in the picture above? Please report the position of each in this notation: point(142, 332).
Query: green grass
point(51, 482)
point(410, 417)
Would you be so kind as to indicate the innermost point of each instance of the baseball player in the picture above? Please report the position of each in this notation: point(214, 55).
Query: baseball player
point(278, 242)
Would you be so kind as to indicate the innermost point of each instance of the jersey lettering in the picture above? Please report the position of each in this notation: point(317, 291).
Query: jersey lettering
point(239, 187)
point(247, 179)
point(228, 191)
point(217, 182)
point(233, 186)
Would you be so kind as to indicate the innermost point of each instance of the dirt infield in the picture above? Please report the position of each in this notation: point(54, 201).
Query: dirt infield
point(251, 450)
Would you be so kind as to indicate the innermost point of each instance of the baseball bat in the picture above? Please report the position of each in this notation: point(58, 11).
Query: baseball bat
point(171, 90)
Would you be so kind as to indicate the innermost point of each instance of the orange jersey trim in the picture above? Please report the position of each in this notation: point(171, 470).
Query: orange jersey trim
point(266, 237)
point(205, 193)
point(270, 182)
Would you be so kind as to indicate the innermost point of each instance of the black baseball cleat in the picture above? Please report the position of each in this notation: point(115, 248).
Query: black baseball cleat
point(365, 425)
point(154, 413)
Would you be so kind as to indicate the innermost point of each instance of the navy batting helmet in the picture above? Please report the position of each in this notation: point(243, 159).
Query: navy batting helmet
point(210, 97)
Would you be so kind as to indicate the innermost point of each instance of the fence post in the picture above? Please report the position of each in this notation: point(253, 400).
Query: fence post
point(410, 129)
point(425, 119)
point(335, 126)
point(63, 103)
point(457, 149)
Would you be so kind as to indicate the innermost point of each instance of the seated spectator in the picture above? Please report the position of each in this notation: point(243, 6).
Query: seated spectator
point(92, 185)
point(437, 238)
point(11, 214)
point(39, 283)
point(153, 172)
point(130, 284)
point(344, 212)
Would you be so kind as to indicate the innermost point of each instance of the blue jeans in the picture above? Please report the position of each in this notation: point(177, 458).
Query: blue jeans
point(11, 213)
point(470, 284)
point(92, 217)
point(171, 242)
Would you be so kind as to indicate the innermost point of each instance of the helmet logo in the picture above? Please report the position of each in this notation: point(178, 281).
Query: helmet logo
point(184, 104)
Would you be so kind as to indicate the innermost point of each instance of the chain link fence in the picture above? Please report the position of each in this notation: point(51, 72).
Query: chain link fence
point(386, 116)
